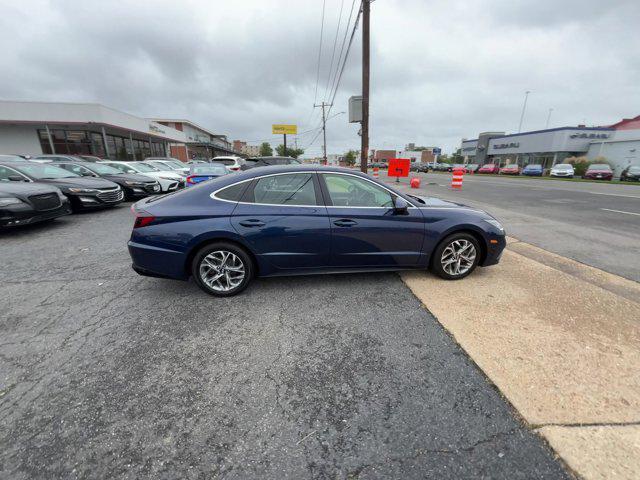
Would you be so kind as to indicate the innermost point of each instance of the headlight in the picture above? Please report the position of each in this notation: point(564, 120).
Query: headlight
point(495, 223)
point(9, 201)
point(83, 190)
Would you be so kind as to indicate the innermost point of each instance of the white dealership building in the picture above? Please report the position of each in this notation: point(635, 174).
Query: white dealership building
point(34, 128)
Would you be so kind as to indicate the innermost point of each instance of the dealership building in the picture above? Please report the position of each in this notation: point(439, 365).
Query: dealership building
point(619, 144)
point(34, 128)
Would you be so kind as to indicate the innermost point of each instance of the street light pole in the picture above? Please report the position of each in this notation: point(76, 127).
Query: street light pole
point(524, 107)
point(364, 147)
point(548, 118)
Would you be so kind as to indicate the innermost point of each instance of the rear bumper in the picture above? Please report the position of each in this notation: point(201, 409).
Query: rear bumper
point(157, 262)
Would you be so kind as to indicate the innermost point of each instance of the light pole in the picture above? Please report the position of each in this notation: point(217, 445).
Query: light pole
point(548, 118)
point(324, 132)
point(524, 107)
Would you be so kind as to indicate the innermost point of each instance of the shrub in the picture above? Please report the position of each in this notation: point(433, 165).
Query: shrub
point(580, 165)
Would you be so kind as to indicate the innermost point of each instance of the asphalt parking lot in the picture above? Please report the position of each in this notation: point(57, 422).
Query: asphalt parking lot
point(105, 374)
point(593, 223)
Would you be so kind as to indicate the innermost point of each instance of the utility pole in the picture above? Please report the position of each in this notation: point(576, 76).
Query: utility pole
point(324, 130)
point(285, 145)
point(524, 107)
point(364, 148)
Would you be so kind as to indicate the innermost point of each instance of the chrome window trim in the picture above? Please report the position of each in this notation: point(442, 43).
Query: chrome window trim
point(214, 197)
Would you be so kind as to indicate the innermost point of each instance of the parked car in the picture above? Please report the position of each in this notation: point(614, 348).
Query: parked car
point(489, 168)
point(133, 185)
point(25, 203)
point(90, 158)
point(564, 170)
point(599, 171)
point(630, 174)
point(169, 181)
point(305, 219)
point(82, 192)
point(511, 169)
point(167, 164)
point(533, 170)
point(268, 161)
point(232, 163)
point(472, 167)
point(201, 173)
point(11, 158)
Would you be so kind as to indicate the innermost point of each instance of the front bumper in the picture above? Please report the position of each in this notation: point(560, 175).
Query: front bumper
point(81, 201)
point(23, 214)
point(494, 250)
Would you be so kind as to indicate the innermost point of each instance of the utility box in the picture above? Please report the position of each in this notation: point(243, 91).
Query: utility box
point(355, 109)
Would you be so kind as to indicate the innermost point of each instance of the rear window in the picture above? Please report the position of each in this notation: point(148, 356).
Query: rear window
point(224, 161)
point(233, 193)
point(212, 169)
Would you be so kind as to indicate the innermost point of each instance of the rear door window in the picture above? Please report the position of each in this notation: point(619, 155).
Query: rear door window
point(289, 189)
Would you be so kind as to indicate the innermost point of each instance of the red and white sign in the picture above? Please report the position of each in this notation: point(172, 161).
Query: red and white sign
point(398, 167)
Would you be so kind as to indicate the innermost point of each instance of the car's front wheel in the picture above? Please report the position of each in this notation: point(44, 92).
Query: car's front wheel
point(222, 269)
point(456, 256)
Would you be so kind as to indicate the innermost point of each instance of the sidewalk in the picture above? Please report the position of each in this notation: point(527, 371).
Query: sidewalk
point(561, 341)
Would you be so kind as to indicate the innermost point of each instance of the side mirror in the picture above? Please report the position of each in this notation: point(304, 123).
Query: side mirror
point(87, 174)
point(16, 178)
point(400, 206)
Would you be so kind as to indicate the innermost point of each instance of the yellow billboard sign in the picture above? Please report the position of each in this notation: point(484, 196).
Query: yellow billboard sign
point(284, 129)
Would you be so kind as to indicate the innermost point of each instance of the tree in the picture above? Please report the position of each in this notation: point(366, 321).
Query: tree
point(266, 150)
point(291, 152)
point(350, 158)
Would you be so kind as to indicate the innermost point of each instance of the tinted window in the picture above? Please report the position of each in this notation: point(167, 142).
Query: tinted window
point(5, 173)
point(600, 166)
point(74, 168)
point(224, 161)
point(351, 191)
point(233, 192)
point(212, 169)
point(290, 189)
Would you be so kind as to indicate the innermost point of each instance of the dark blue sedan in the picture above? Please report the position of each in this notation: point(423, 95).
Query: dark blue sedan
point(293, 220)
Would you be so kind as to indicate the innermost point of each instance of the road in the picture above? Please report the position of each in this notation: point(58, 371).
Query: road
point(593, 223)
point(106, 374)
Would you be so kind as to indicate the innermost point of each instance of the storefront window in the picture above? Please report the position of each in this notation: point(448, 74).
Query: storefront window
point(97, 145)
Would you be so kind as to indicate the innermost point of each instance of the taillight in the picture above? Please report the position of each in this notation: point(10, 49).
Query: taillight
point(143, 221)
point(190, 180)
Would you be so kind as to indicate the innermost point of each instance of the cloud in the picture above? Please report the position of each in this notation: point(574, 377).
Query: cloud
point(441, 70)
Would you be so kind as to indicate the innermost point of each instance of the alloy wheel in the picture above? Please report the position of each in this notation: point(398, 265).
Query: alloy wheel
point(458, 257)
point(222, 270)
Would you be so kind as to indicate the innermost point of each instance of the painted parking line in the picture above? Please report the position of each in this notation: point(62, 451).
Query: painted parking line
point(621, 211)
point(615, 194)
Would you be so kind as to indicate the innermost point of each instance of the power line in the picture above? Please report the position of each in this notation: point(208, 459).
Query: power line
point(344, 39)
point(315, 95)
point(346, 57)
point(333, 53)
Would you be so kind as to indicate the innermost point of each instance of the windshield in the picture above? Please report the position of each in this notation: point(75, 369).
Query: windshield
point(563, 167)
point(489, 165)
point(175, 164)
point(600, 166)
point(44, 172)
point(11, 157)
point(634, 169)
point(103, 169)
point(511, 166)
point(213, 169)
point(534, 167)
point(143, 167)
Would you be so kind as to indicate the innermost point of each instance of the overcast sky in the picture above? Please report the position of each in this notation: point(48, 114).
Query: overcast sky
point(441, 70)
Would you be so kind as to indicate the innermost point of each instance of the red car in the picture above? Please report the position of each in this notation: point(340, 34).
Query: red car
point(489, 168)
point(599, 171)
point(512, 169)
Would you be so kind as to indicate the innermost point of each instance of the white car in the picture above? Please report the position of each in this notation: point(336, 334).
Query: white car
point(562, 170)
point(168, 165)
point(169, 181)
point(232, 163)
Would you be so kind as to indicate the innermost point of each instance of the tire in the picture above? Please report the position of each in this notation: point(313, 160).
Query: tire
point(211, 258)
point(446, 270)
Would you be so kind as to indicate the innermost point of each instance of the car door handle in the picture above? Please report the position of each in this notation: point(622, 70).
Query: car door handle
point(252, 223)
point(345, 222)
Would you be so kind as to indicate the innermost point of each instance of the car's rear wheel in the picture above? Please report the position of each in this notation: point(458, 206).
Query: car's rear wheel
point(456, 256)
point(222, 269)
